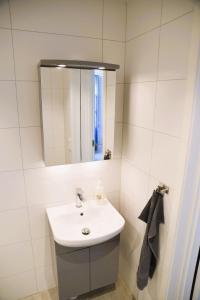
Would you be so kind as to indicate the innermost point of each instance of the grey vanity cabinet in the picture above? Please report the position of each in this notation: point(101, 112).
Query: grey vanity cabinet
point(73, 273)
point(104, 264)
point(81, 270)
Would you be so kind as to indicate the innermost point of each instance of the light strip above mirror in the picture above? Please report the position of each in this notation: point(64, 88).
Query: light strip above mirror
point(78, 64)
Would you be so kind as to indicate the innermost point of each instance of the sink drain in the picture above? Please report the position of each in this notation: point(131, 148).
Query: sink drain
point(85, 231)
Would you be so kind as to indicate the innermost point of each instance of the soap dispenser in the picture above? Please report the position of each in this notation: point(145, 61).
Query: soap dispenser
point(99, 194)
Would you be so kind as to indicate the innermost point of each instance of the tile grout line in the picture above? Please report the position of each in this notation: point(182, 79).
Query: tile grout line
point(94, 38)
point(155, 98)
point(14, 243)
point(133, 165)
point(25, 271)
point(153, 130)
point(21, 151)
point(118, 82)
point(153, 81)
point(18, 80)
point(63, 34)
point(157, 27)
point(5, 28)
point(124, 91)
point(156, 92)
point(16, 94)
point(19, 127)
point(142, 34)
point(102, 27)
point(15, 274)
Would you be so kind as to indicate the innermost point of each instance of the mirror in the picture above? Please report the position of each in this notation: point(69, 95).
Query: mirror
point(78, 113)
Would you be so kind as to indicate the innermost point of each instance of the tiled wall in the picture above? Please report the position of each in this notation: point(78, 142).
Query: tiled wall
point(156, 71)
point(158, 38)
point(30, 31)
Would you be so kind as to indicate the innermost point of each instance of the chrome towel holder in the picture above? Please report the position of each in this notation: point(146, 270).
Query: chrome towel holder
point(162, 189)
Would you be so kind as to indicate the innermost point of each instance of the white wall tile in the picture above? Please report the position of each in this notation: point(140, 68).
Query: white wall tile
point(141, 58)
point(131, 237)
point(10, 158)
point(57, 184)
point(42, 252)
point(119, 102)
point(134, 184)
point(75, 17)
point(142, 17)
point(109, 138)
point(18, 286)
point(165, 158)
point(137, 144)
point(170, 106)
point(4, 14)
point(128, 208)
point(114, 198)
point(45, 278)
point(174, 48)
point(147, 61)
point(49, 185)
point(111, 100)
point(98, 170)
point(31, 147)
point(15, 259)
point(6, 55)
point(118, 140)
point(38, 219)
point(14, 197)
point(128, 264)
point(14, 226)
point(46, 186)
point(139, 104)
point(175, 8)
point(31, 47)
point(114, 19)
point(113, 52)
point(8, 105)
point(28, 103)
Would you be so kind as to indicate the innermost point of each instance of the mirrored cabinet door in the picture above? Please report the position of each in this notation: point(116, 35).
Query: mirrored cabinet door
point(78, 114)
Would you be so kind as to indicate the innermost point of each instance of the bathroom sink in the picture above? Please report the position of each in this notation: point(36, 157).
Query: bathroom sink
point(91, 224)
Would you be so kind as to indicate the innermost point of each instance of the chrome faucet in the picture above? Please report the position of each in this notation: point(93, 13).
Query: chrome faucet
point(79, 197)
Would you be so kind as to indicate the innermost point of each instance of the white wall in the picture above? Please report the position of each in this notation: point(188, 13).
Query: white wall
point(157, 50)
point(30, 31)
point(197, 286)
point(156, 110)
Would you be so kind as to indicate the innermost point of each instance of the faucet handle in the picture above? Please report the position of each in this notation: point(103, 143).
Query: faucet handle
point(79, 191)
point(79, 197)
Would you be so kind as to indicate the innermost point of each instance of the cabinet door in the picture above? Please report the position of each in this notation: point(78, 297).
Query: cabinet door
point(73, 273)
point(104, 263)
point(63, 249)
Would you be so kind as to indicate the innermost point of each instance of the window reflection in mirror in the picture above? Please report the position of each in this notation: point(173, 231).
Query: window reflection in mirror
point(98, 115)
point(78, 114)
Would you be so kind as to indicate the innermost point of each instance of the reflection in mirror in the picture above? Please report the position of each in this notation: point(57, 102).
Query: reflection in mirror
point(78, 114)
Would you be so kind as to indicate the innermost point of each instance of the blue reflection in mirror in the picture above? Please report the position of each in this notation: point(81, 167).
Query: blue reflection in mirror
point(98, 115)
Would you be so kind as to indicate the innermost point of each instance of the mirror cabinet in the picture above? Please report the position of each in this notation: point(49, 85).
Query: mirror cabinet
point(78, 111)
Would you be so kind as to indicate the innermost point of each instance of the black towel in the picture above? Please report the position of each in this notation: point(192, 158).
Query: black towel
point(153, 215)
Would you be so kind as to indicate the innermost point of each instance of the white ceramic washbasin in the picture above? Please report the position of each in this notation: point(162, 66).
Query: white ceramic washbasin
point(67, 222)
